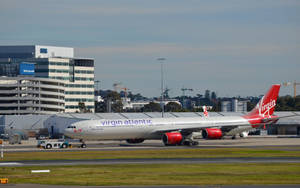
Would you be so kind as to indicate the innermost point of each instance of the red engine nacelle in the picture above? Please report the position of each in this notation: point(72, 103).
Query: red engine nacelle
point(212, 133)
point(135, 141)
point(173, 138)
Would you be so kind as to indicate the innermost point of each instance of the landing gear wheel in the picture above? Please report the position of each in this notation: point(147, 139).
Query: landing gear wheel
point(83, 146)
point(187, 143)
point(190, 143)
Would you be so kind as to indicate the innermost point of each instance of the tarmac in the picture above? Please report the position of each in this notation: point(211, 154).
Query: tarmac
point(290, 143)
point(152, 161)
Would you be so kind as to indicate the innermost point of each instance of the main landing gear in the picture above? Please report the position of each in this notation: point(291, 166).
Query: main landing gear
point(190, 143)
point(83, 145)
point(190, 140)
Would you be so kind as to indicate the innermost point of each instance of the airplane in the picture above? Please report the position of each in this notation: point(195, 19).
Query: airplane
point(176, 131)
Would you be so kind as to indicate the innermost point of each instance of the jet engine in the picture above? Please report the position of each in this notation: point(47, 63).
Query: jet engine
point(135, 141)
point(172, 138)
point(212, 133)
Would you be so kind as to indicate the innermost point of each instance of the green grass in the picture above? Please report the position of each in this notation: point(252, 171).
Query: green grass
point(151, 153)
point(158, 174)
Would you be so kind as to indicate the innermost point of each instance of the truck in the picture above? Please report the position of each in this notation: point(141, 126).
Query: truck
point(46, 144)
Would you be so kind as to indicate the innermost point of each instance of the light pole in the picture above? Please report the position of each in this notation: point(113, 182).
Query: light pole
point(162, 105)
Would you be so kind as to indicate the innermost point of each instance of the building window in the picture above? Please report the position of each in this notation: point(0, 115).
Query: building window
point(84, 62)
point(43, 50)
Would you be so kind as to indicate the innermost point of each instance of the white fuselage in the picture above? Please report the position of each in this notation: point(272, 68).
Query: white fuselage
point(120, 129)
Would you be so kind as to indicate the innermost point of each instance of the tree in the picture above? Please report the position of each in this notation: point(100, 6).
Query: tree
point(152, 107)
point(100, 107)
point(113, 95)
point(82, 108)
point(173, 107)
point(135, 97)
point(288, 103)
point(115, 100)
point(297, 103)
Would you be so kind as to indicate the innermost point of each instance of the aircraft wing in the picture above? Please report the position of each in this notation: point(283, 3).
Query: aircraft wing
point(190, 127)
point(196, 127)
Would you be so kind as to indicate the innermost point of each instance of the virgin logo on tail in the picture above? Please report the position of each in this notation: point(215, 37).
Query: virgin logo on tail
point(267, 103)
point(264, 109)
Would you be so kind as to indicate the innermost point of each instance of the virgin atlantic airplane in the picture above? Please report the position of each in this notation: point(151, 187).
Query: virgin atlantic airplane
point(179, 130)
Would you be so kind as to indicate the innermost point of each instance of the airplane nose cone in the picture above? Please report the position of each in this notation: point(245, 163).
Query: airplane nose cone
point(68, 131)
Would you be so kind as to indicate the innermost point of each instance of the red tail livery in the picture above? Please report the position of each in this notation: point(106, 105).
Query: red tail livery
point(265, 107)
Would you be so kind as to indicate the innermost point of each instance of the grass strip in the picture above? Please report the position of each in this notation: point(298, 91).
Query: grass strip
point(158, 174)
point(151, 153)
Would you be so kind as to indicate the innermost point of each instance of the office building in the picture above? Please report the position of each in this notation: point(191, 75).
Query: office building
point(55, 63)
point(234, 105)
point(30, 95)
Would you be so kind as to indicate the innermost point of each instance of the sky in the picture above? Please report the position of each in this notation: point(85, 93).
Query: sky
point(232, 47)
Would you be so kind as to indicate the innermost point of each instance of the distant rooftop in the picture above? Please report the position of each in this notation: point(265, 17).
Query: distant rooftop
point(35, 51)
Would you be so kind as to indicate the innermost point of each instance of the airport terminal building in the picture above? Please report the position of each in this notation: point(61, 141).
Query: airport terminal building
point(47, 64)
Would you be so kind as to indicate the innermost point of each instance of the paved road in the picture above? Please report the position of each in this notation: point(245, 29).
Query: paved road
point(155, 161)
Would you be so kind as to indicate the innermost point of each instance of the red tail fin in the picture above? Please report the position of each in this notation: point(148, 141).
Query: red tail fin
point(265, 107)
point(205, 113)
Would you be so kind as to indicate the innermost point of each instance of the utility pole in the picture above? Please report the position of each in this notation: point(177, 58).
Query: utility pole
point(161, 60)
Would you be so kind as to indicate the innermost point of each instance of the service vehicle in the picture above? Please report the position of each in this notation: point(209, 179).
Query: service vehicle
point(46, 144)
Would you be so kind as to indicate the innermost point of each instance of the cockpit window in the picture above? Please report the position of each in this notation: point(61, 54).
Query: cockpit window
point(71, 127)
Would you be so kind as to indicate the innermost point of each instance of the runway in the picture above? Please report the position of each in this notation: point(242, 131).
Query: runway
point(154, 161)
point(292, 143)
point(270, 143)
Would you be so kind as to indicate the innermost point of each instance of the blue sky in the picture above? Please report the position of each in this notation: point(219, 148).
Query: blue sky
point(233, 47)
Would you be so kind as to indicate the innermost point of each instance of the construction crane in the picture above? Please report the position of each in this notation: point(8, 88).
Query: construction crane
point(125, 89)
point(185, 89)
point(294, 85)
point(295, 88)
point(118, 87)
